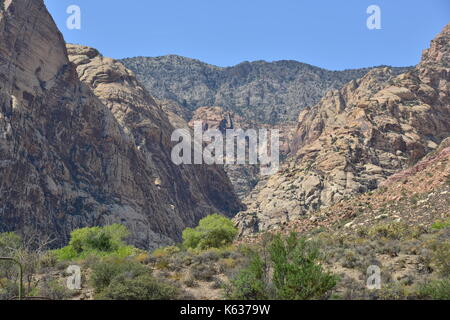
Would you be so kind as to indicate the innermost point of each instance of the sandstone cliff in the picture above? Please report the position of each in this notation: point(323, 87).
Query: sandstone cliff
point(91, 152)
point(356, 137)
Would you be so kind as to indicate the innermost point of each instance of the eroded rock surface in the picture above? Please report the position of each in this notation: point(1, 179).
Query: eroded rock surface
point(356, 137)
point(265, 92)
point(91, 152)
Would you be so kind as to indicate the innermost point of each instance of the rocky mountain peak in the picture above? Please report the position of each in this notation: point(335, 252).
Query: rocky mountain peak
point(31, 47)
point(439, 50)
point(355, 138)
point(261, 92)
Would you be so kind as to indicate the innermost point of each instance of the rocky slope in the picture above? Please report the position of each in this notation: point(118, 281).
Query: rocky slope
point(417, 196)
point(91, 152)
point(243, 177)
point(356, 137)
point(250, 95)
point(269, 93)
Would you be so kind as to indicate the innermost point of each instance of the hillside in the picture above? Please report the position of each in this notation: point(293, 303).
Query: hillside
point(263, 92)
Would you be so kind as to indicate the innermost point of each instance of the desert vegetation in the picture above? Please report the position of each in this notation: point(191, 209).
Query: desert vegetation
point(210, 264)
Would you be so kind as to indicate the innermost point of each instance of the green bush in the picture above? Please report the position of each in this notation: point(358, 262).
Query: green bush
point(9, 243)
point(108, 269)
point(8, 289)
point(436, 290)
point(53, 290)
point(10, 246)
point(99, 241)
point(295, 273)
point(251, 282)
point(214, 231)
point(441, 257)
point(121, 279)
point(439, 225)
point(390, 230)
point(143, 287)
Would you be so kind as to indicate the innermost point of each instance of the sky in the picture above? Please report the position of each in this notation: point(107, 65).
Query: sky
point(331, 34)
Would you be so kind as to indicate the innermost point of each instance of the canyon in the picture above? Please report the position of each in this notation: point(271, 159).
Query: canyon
point(86, 140)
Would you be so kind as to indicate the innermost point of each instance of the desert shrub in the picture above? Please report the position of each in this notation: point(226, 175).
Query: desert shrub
point(389, 247)
point(142, 287)
point(297, 275)
point(439, 225)
point(189, 281)
point(436, 290)
point(393, 230)
point(206, 257)
point(203, 272)
point(214, 231)
point(251, 283)
point(165, 251)
point(28, 249)
point(226, 264)
point(8, 289)
point(105, 271)
point(289, 270)
point(394, 291)
point(350, 259)
point(99, 241)
point(48, 260)
point(10, 245)
point(53, 290)
point(217, 283)
point(441, 257)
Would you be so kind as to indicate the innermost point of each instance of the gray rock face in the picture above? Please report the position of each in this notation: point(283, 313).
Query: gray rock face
point(91, 152)
point(270, 93)
point(355, 138)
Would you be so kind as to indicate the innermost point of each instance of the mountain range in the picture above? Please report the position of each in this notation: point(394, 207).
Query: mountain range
point(85, 139)
point(261, 92)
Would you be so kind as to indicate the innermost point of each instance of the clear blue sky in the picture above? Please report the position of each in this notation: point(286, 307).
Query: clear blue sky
point(327, 33)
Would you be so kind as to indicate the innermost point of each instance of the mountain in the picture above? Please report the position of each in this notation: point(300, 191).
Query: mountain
point(270, 93)
point(82, 143)
point(357, 137)
point(251, 95)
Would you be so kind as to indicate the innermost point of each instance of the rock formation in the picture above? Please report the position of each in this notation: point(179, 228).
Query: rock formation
point(356, 137)
point(91, 152)
point(262, 92)
point(243, 177)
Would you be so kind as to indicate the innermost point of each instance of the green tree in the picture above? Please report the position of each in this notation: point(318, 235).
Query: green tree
point(294, 269)
point(297, 275)
point(108, 269)
point(214, 231)
point(250, 283)
point(100, 241)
